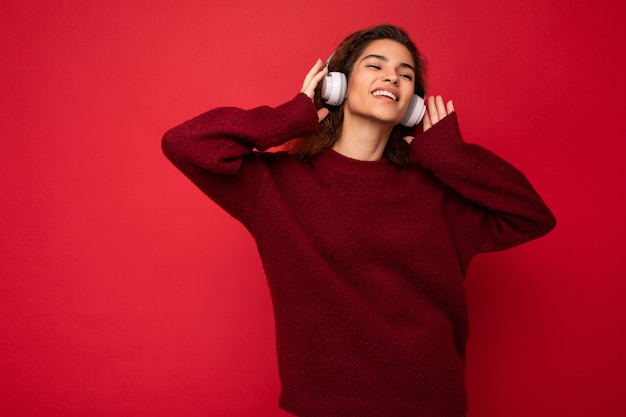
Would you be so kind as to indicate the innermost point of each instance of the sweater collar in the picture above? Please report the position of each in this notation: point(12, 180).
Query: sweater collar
point(330, 159)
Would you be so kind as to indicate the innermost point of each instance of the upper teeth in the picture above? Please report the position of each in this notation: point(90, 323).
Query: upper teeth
point(385, 93)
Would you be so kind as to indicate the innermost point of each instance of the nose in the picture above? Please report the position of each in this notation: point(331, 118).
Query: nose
point(391, 77)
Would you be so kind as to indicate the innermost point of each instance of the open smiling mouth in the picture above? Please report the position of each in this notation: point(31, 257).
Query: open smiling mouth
point(386, 94)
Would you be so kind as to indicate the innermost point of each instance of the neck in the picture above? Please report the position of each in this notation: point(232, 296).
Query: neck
point(362, 139)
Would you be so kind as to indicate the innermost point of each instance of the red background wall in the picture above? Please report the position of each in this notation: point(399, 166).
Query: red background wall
point(126, 292)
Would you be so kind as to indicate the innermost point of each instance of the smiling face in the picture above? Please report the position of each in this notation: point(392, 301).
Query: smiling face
point(381, 84)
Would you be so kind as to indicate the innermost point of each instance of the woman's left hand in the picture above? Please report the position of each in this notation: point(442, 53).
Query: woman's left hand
point(435, 111)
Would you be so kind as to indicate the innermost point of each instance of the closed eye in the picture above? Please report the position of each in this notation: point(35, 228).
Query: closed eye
point(377, 67)
point(410, 76)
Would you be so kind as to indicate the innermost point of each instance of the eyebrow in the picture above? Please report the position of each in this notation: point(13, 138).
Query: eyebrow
point(385, 59)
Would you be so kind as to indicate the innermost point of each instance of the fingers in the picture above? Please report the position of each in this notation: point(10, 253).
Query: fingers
point(313, 77)
point(450, 106)
point(311, 80)
point(312, 72)
point(426, 123)
point(436, 110)
point(441, 108)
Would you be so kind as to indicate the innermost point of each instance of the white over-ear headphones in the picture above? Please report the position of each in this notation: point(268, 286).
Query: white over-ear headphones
point(335, 85)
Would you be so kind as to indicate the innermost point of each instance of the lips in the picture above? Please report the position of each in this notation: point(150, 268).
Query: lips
point(385, 93)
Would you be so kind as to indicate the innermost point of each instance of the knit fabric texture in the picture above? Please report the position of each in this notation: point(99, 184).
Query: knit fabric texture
point(365, 261)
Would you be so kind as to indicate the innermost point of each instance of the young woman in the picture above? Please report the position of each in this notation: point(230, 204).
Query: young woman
point(365, 232)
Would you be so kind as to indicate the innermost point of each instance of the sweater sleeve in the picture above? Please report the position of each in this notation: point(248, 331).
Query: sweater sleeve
point(501, 209)
point(216, 150)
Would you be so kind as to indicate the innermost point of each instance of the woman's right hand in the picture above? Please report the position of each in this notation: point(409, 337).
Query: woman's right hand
point(312, 79)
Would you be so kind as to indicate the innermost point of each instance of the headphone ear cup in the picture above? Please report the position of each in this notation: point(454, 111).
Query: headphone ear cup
point(415, 113)
point(334, 87)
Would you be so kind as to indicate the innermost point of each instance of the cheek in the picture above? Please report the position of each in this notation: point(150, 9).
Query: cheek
point(358, 84)
point(353, 88)
point(354, 96)
point(409, 93)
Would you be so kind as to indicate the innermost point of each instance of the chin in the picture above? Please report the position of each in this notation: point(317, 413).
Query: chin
point(387, 119)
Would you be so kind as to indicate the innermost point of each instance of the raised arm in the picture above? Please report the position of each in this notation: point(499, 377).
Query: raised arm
point(218, 140)
point(505, 209)
point(215, 150)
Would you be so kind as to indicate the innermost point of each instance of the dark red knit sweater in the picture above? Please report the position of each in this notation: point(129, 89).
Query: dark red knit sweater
point(365, 261)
